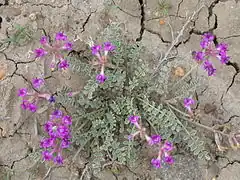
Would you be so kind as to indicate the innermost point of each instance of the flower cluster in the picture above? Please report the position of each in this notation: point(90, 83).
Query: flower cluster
point(59, 134)
point(187, 104)
point(210, 50)
point(101, 53)
point(60, 44)
point(165, 148)
point(30, 99)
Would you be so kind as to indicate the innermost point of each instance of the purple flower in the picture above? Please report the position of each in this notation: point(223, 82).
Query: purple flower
point(40, 52)
point(24, 104)
point(47, 156)
point(46, 143)
point(223, 57)
point(57, 114)
point(58, 159)
point(22, 92)
point(63, 64)
point(199, 56)
point(44, 40)
point(155, 139)
point(32, 107)
point(67, 120)
point(222, 47)
point(68, 46)
point(188, 102)
point(65, 143)
point(204, 44)
point(62, 131)
point(60, 36)
point(208, 66)
point(108, 46)
point(101, 78)
point(156, 163)
point(168, 159)
point(48, 126)
point(208, 37)
point(52, 99)
point(37, 82)
point(96, 49)
point(168, 146)
point(133, 119)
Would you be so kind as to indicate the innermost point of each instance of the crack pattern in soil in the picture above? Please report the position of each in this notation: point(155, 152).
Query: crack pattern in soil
point(142, 23)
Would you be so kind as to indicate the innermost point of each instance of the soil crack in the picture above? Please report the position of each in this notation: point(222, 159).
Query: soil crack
point(210, 9)
point(141, 2)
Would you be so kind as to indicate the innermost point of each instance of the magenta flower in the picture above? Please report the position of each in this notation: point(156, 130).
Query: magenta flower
point(37, 82)
point(168, 159)
point(156, 163)
point(96, 49)
point(22, 92)
point(133, 119)
point(208, 37)
point(67, 120)
point(208, 66)
point(187, 104)
point(32, 107)
point(68, 46)
point(155, 139)
point(199, 56)
point(58, 159)
point(168, 146)
point(46, 143)
point(47, 156)
point(108, 46)
point(44, 40)
point(63, 64)
point(57, 114)
point(25, 104)
point(65, 143)
point(60, 37)
point(40, 52)
point(222, 47)
point(101, 78)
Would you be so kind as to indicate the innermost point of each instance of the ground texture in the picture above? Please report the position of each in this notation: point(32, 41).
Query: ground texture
point(219, 97)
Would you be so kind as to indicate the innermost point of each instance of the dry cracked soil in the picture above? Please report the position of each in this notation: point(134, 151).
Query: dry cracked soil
point(218, 99)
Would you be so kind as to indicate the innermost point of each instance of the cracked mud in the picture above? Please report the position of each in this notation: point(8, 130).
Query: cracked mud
point(218, 99)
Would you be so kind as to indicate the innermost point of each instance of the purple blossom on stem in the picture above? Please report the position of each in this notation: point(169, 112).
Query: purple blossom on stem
point(63, 64)
point(46, 143)
point(222, 47)
point(208, 66)
point(156, 163)
point(155, 139)
point(133, 119)
point(37, 82)
point(22, 92)
point(44, 40)
point(40, 52)
point(168, 146)
point(58, 159)
point(168, 159)
point(47, 156)
point(57, 114)
point(24, 104)
point(52, 99)
point(108, 47)
point(60, 36)
point(187, 103)
point(199, 56)
point(67, 120)
point(96, 49)
point(101, 78)
point(68, 46)
point(32, 107)
point(208, 37)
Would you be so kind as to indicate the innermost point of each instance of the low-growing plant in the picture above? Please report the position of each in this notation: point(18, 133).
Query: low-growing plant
point(120, 89)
